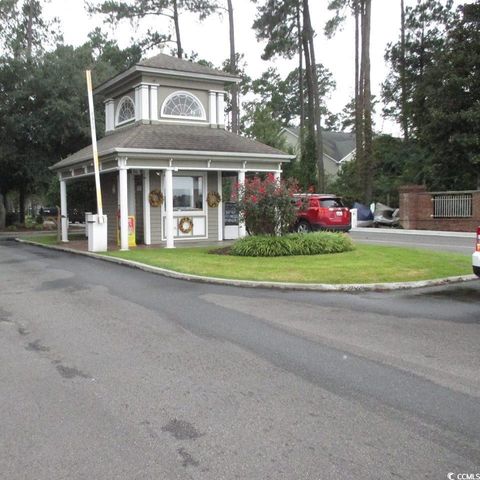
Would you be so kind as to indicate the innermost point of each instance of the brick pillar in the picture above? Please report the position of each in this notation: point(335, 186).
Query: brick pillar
point(476, 208)
point(410, 196)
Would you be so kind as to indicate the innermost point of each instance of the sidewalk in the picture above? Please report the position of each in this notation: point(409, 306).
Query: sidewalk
point(400, 231)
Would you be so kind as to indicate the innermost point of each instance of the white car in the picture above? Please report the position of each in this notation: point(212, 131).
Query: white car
point(476, 255)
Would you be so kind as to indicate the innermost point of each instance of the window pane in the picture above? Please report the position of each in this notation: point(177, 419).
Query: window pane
point(127, 111)
point(331, 203)
point(183, 105)
point(187, 193)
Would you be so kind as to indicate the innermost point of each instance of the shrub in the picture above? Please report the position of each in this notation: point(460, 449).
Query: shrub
point(12, 228)
point(266, 206)
point(319, 243)
point(29, 222)
point(11, 218)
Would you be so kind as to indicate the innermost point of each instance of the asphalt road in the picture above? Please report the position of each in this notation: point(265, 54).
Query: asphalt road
point(112, 373)
point(453, 244)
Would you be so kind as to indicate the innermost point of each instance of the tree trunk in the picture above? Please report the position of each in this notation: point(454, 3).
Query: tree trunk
point(308, 167)
point(233, 70)
point(300, 77)
point(2, 213)
point(367, 104)
point(403, 68)
point(307, 25)
point(177, 30)
point(358, 112)
point(308, 76)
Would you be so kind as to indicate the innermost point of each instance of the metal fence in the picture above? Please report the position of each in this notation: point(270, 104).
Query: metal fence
point(452, 205)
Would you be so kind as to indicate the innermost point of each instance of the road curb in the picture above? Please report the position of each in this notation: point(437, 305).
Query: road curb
point(318, 287)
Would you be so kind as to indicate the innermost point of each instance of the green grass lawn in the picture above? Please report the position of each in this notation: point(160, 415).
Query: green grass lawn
point(366, 264)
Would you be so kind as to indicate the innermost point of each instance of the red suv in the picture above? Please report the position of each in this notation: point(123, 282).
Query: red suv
point(322, 212)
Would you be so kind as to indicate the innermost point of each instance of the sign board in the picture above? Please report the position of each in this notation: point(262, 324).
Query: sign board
point(131, 231)
point(231, 214)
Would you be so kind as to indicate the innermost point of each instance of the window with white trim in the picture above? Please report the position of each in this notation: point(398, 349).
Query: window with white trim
point(183, 105)
point(187, 192)
point(126, 110)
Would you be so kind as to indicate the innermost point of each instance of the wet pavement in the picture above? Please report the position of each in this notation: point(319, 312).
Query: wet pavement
point(113, 373)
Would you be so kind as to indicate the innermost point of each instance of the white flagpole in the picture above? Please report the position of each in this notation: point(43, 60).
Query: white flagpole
point(94, 147)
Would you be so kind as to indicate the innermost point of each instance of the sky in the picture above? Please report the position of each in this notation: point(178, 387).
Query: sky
point(210, 40)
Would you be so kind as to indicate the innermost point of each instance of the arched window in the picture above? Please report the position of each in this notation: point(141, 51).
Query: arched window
point(126, 110)
point(183, 105)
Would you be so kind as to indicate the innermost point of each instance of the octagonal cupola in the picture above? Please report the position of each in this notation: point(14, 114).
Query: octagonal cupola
point(165, 89)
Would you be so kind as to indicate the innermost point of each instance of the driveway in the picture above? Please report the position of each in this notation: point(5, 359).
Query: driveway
point(112, 373)
point(447, 243)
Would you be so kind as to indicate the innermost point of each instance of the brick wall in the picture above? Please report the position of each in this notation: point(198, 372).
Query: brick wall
point(416, 212)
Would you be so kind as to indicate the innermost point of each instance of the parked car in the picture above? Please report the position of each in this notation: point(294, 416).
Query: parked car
point(49, 211)
point(322, 212)
point(476, 255)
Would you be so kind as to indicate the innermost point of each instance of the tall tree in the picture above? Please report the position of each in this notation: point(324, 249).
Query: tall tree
point(25, 32)
point(24, 35)
point(361, 10)
point(281, 25)
point(44, 115)
point(452, 105)
point(422, 39)
point(403, 72)
point(117, 10)
point(309, 52)
point(284, 95)
point(367, 154)
point(233, 69)
point(287, 27)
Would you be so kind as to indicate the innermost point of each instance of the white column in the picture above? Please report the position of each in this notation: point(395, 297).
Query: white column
point(221, 108)
point(123, 193)
point(220, 206)
point(147, 235)
point(109, 115)
point(153, 102)
point(138, 103)
point(212, 108)
point(242, 232)
point(169, 207)
point(63, 210)
point(142, 107)
point(277, 175)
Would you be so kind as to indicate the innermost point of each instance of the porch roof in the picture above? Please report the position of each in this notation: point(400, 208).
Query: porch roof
point(171, 138)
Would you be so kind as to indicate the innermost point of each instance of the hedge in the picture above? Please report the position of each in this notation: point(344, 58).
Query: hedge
point(319, 243)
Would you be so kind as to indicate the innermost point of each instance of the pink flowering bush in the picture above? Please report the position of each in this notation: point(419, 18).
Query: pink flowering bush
point(266, 206)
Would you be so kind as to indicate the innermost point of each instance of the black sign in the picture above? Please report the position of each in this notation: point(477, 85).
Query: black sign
point(231, 214)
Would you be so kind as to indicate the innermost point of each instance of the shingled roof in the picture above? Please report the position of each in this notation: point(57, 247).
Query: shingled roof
point(168, 62)
point(336, 145)
point(170, 138)
point(168, 65)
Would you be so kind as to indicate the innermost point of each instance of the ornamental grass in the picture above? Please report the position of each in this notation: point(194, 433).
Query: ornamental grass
point(319, 243)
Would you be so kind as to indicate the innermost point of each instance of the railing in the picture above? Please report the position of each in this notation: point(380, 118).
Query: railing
point(452, 205)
